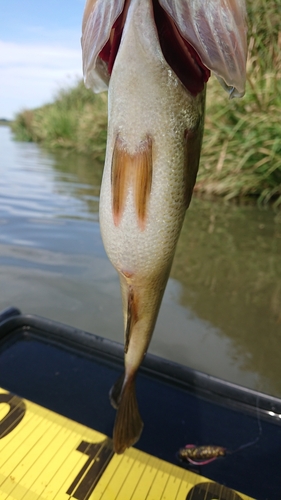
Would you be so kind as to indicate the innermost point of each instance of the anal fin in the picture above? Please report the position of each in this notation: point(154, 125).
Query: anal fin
point(128, 423)
point(132, 316)
point(115, 392)
point(143, 180)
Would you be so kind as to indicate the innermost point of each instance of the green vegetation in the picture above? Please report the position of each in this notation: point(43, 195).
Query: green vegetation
point(241, 152)
point(76, 120)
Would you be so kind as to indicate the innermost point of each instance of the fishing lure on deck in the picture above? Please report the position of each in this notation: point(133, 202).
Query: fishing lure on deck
point(201, 455)
point(205, 454)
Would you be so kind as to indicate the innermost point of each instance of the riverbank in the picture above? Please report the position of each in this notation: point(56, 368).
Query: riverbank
point(75, 121)
point(241, 153)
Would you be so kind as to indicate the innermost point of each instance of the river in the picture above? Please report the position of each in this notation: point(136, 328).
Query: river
point(221, 311)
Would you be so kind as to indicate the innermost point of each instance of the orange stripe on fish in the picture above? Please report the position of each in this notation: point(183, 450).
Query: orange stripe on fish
point(120, 172)
point(143, 180)
point(131, 169)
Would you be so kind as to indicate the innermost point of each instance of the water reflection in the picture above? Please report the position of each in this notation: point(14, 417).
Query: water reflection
point(228, 261)
point(221, 312)
point(83, 174)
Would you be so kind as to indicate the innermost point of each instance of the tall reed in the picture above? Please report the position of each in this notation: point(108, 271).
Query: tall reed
point(241, 152)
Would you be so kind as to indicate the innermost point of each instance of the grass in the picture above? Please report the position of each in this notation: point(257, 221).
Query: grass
point(241, 153)
point(76, 120)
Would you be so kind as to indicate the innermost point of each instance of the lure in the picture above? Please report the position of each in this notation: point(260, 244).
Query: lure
point(201, 455)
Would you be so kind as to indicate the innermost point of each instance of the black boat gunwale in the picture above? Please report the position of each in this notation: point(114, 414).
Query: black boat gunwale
point(203, 385)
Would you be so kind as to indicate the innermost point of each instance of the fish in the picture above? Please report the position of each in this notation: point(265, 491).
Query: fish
point(154, 57)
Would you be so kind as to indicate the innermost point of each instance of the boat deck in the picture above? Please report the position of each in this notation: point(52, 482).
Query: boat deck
point(61, 377)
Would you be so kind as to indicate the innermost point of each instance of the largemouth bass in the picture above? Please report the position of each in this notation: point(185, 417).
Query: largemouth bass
point(155, 58)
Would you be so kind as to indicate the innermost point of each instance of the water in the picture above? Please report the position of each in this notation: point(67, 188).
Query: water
point(221, 312)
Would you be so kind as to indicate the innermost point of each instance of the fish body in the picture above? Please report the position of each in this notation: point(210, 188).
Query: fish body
point(151, 120)
point(155, 128)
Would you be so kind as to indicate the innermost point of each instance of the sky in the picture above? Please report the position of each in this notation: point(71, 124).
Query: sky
point(40, 51)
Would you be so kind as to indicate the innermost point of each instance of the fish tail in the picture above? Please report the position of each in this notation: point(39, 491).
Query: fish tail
point(128, 423)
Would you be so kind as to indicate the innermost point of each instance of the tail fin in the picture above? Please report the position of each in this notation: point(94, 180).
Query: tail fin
point(128, 423)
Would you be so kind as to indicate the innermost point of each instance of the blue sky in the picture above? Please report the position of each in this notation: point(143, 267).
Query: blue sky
point(39, 51)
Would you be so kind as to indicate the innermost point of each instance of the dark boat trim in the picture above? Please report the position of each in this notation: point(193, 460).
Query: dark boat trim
point(204, 385)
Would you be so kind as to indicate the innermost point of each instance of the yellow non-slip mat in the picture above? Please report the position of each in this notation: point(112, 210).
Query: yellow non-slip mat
point(46, 456)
